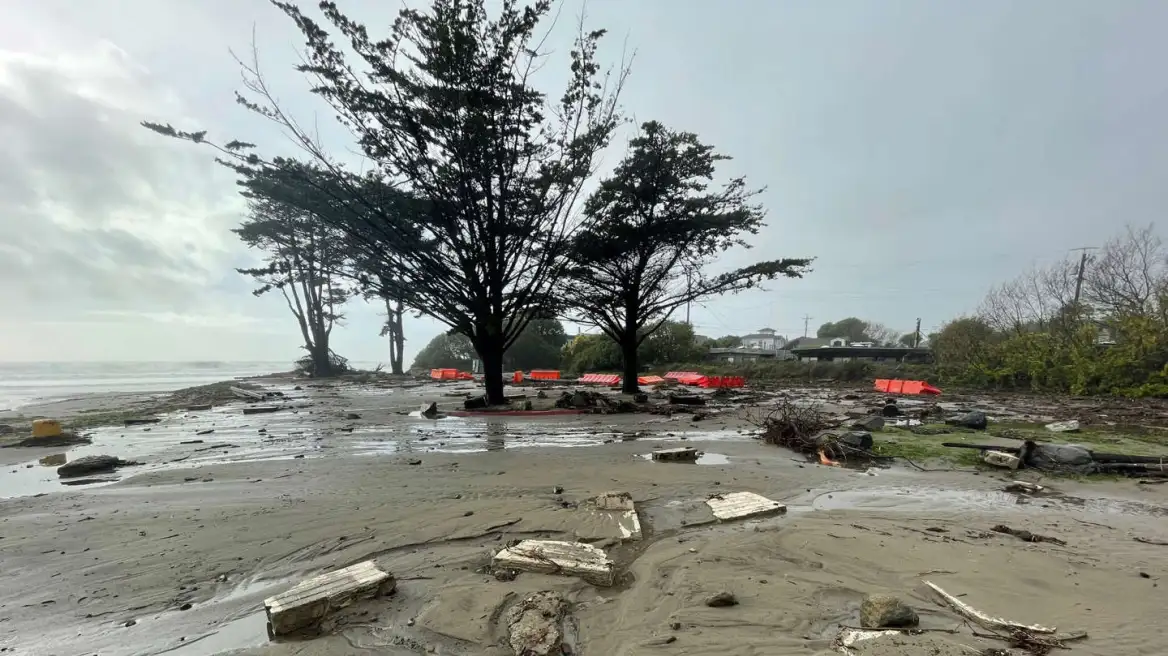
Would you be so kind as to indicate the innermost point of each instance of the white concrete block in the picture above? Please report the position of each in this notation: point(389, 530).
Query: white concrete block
point(739, 505)
point(306, 604)
point(558, 557)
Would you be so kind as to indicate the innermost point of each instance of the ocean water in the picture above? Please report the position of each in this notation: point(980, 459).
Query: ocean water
point(33, 382)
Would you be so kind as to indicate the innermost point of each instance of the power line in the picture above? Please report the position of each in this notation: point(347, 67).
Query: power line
point(806, 319)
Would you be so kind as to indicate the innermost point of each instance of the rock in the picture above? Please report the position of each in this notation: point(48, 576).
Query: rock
point(534, 625)
point(352, 416)
point(686, 399)
point(89, 465)
point(541, 394)
point(975, 419)
point(414, 461)
point(722, 600)
point(884, 610)
point(476, 403)
point(871, 424)
point(640, 397)
point(857, 440)
point(581, 400)
point(890, 410)
point(430, 410)
point(528, 405)
point(1071, 426)
point(1001, 459)
point(506, 575)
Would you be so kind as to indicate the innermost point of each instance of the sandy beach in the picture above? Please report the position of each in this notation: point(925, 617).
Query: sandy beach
point(176, 555)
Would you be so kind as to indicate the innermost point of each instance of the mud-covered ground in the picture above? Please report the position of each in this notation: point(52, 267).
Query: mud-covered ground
point(176, 555)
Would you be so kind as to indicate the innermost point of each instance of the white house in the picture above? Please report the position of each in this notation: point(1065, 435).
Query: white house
point(763, 340)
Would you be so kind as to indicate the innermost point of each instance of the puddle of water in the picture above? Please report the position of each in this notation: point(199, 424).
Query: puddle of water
point(248, 631)
point(703, 459)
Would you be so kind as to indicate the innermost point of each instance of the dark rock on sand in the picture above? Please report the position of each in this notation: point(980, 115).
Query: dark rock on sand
point(884, 610)
point(890, 410)
point(90, 465)
point(870, 424)
point(975, 419)
point(722, 600)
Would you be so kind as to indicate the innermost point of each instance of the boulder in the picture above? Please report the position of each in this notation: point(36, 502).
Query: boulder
point(871, 424)
point(890, 410)
point(975, 419)
point(535, 624)
point(1071, 426)
point(852, 439)
point(722, 600)
point(885, 611)
point(89, 465)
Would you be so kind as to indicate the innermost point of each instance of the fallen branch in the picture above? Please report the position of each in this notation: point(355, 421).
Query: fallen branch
point(1159, 543)
point(1027, 536)
point(986, 621)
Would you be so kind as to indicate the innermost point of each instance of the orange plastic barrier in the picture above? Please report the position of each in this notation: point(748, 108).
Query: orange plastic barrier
point(690, 379)
point(895, 386)
point(444, 374)
point(721, 381)
point(464, 375)
point(678, 375)
point(600, 379)
point(517, 377)
point(650, 380)
point(544, 374)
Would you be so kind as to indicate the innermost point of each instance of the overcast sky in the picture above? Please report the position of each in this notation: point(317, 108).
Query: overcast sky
point(921, 150)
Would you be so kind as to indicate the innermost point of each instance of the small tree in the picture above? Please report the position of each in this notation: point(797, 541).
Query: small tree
point(303, 261)
point(395, 331)
point(447, 350)
point(653, 226)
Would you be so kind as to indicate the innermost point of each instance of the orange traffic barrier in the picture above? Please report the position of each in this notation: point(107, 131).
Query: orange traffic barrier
point(600, 379)
point(896, 386)
point(721, 381)
point(464, 375)
point(650, 380)
point(544, 374)
point(678, 375)
point(517, 378)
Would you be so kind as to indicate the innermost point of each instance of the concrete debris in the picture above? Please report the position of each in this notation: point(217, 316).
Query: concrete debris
point(430, 410)
point(535, 626)
point(684, 454)
point(1071, 426)
point(1001, 459)
point(619, 505)
point(614, 501)
point(1022, 487)
point(306, 605)
point(740, 505)
point(872, 424)
point(558, 557)
point(261, 410)
point(880, 611)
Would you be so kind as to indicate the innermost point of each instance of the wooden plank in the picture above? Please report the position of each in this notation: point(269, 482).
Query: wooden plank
point(309, 602)
point(558, 557)
point(246, 394)
point(739, 505)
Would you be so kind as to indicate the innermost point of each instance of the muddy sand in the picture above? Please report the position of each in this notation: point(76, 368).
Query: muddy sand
point(176, 555)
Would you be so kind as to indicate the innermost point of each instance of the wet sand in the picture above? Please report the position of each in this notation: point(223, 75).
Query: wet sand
point(108, 569)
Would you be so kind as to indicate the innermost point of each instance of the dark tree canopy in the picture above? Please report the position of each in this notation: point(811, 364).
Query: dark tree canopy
point(539, 346)
point(852, 329)
point(653, 227)
point(305, 262)
point(445, 109)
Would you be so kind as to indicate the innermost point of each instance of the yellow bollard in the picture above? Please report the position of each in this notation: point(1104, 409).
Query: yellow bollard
point(46, 428)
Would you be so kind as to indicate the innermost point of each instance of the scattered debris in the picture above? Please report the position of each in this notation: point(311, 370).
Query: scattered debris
point(1022, 487)
point(558, 557)
point(620, 505)
point(739, 505)
point(1026, 536)
point(1001, 459)
point(872, 424)
point(886, 611)
point(66, 438)
point(91, 465)
point(307, 604)
point(140, 421)
point(1071, 426)
point(205, 432)
point(686, 399)
point(683, 454)
point(352, 416)
point(986, 621)
point(722, 599)
point(975, 419)
point(430, 410)
point(248, 395)
point(535, 625)
point(200, 407)
point(261, 409)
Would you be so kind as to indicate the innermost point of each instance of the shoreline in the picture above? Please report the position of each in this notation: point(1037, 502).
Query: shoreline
point(219, 528)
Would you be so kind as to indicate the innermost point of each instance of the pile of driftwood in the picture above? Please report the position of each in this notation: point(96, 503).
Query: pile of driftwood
point(805, 429)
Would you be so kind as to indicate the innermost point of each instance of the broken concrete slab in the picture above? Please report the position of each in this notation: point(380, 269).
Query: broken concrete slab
point(535, 625)
point(1001, 459)
point(1071, 426)
point(684, 454)
point(309, 602)
point(740, 505)
point(620, 507)
point(558, 557)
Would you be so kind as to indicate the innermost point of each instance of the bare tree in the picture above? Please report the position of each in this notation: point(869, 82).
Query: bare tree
point(1032, 300)
point(1130, 275)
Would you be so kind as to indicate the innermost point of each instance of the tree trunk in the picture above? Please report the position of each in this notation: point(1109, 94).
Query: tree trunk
point(491, 353)
point(397, 337)
point(631, 370)
point(322, 366)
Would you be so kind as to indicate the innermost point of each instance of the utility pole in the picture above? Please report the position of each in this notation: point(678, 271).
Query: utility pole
point(917, 334)
point(806, 318)
point(1082, 272)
